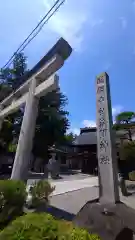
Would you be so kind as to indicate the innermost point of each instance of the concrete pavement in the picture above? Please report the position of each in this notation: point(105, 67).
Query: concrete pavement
point(73, 201)
point(70, 183)
point(71, 194)
point(62, 187)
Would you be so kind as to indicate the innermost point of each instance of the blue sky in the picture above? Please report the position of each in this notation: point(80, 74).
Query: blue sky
point(102, 34)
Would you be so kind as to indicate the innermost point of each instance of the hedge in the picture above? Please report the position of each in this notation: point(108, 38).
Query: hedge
point(34, 226)
point(12, 198)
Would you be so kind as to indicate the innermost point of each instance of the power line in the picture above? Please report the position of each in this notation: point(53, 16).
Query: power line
point(42, 23)
point(9, 61)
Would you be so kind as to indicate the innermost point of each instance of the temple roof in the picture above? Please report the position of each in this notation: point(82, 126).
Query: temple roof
point(88, 136)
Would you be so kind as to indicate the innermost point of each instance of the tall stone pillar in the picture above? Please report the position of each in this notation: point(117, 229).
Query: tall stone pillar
point(108, 176)
point(24, 147)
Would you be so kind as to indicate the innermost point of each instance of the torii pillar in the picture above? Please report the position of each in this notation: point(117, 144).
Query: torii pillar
point(24, 147)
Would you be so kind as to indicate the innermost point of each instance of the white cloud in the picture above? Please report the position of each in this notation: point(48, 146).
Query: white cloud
point(91, 123)
point(116, 110)
point(96, 22)
point(123, 22)
point(69, 22)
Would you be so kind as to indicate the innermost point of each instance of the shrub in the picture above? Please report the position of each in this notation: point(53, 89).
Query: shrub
point(132, 176)
point(40, 192)
point(69, 231)
point(127, 150)
point(43, 226)
point(12, 198)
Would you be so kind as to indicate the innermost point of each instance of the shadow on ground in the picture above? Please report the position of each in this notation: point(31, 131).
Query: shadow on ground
point(60, 214)
point(63, 171)
point(67, 171)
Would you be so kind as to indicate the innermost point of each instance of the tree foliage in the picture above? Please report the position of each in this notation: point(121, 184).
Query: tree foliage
point(52, 121)
point(69, 138)
point(125, 121)
point(39, 226)
point(127, 150)
point(125, 117)
point(13, 77)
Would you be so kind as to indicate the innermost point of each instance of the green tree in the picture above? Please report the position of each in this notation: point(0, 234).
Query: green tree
point(52, 123)
point(125, 121)
point(13, 77)
point(5, 90)
point(69, 138)
point(7, 127)
point(127, 151)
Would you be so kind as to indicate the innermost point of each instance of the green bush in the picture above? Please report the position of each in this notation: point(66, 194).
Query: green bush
point(12, 198)
point(43, 226)
point(132, 176)
point(40, 192)
point(127, 150)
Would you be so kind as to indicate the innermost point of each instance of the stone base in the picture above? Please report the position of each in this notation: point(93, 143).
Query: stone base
point(110, 222)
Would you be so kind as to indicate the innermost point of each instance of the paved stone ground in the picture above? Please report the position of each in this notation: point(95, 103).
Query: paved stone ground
point(73, 194)
point(75, 175)
point(63, 187)
point(73, 191)
point(73, 201)
point(70, 183)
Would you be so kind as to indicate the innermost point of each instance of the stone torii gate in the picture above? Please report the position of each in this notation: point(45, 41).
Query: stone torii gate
point(39, 81)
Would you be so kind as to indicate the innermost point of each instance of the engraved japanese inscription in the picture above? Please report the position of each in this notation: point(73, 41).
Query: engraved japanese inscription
point(102, 122)
point(109, 192)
